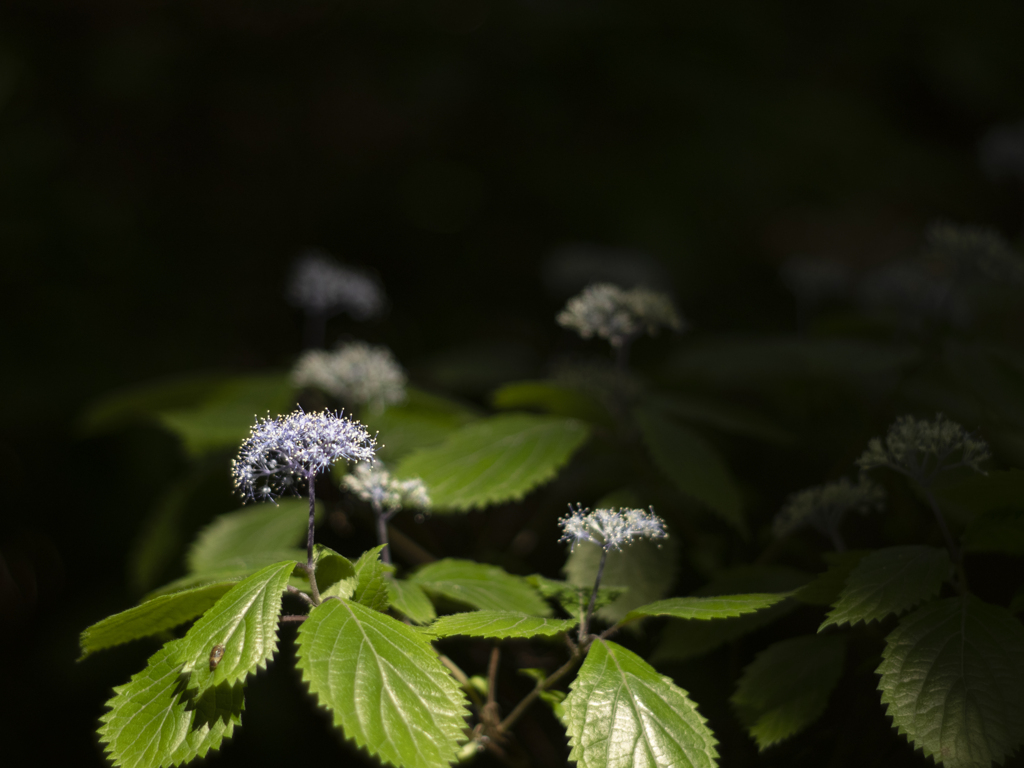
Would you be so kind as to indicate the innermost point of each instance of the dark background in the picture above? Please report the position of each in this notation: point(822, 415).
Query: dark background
point(162, 163)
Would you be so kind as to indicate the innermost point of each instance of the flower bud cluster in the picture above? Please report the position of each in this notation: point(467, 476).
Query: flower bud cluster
point(618, 315)
point(920, 448)
point(374, 484)
point(824, 506)
point(282, 453)
point(610, 529)
point(320, 285)
point(356, 373)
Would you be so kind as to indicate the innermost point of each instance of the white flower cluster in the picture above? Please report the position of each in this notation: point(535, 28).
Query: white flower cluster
point(376, 485)
point(618, 315)
point(610, 528)
point(974, 250)
point(281, 453)
point(357, 373)
point(921, 449)
point(824, 506)
point(321, 286)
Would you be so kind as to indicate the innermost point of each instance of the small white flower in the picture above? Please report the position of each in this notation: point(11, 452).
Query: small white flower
point(824, 506)
point(282, 453)
point(610, 528)
point(356, 373)
point(618, 315)
point(376, 485)
point(321, 286)
point(921, 449)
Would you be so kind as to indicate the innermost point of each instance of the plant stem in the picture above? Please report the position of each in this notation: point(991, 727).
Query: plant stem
point(300, 593)
point(461, 676)
point(382, 531)
point(954, 551)
point(585, 623)
point(541, 686)
point(309, 542)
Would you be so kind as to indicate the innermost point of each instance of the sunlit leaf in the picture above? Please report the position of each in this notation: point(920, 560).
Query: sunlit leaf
point(786, 688)
point(692, 464)
point(485, 587)
point(371, 586)
point(237, 538)
point(244, 622)
point(620, 713)
point(410, 600)
point(953, 681)
point(382, 683)
point(155, 722)
point(421, 421)
point(500, 624)
point(707, 608)
point(494, 460)
point(888, 581)
point(682, 640)
point(150, 618)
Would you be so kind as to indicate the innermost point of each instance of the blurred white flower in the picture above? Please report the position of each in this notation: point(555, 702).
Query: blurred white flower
point(320, 285)
point(356, 373)
point(619, 315)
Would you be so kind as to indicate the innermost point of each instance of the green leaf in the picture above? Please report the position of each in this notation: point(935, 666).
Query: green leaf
point(692, 464)
point(422, 420)
point(383, 684)
point(225, 418)
point(620, 713)
point(494, 460)
point(371, 584)
point(556, 399)
point(410, 600)
point(645, 569)
point(1001, 530)
point(705, 608)
point(681, 640)
point(238, 538)
point(154, 721)
point(150, 618)
point(786, 688)
point(138, 403)
point(887, 581)
point(335, 574)
point(573, 599)
point(244, 621)
point(484, 587)
point(827, 586)
point(727, 417)
point(953, 681)
point(232, 575)
point(500, 624)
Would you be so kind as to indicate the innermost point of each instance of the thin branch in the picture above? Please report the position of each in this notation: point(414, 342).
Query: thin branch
point(300, 593)
point(585, 624)
point(541, 686)
point(294, 618)
point(463, 679)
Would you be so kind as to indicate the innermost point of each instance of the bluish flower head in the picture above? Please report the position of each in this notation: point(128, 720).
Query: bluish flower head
point(282, 454)
point(610, 529)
